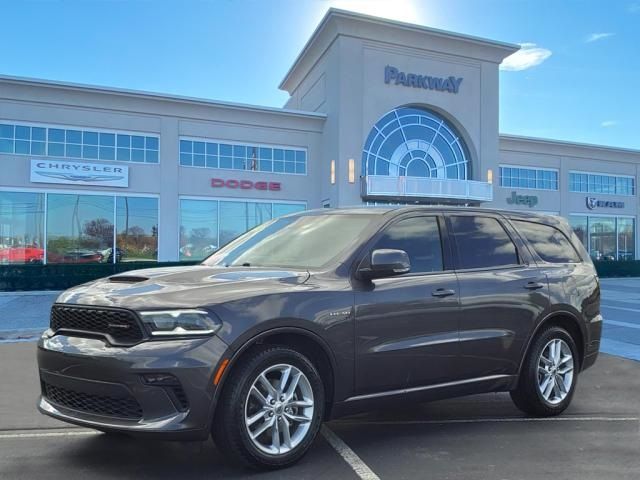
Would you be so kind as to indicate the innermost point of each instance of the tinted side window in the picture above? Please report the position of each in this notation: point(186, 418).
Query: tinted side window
point(482, 242)
point(420, 238)
point(550, 244)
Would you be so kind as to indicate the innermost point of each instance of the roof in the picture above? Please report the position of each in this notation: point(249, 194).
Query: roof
point(400, 209)
point(155, 96)
point(566, 143)
point(327, 28)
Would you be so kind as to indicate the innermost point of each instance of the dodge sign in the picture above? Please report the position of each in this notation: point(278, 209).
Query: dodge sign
point(245, 184)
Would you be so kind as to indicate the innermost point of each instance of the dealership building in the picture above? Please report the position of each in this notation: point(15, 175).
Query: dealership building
point(380, 112)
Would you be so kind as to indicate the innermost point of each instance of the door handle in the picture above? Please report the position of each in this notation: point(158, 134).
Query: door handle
point(533, 286)
point(443, 292)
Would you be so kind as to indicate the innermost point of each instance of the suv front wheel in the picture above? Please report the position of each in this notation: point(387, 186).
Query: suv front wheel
point(271, 408)
point(548, 377)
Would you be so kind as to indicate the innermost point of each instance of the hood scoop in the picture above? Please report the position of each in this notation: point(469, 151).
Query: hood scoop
point(128, 279)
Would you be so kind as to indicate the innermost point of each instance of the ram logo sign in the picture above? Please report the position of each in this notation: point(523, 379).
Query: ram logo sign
point(593, 203)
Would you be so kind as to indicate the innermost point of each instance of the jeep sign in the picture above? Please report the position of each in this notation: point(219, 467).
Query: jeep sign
point(528, 200)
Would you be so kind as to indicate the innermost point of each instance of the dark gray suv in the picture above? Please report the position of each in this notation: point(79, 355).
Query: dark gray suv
point(325, 313)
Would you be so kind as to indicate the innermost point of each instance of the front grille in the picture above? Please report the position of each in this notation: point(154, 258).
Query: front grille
point(121, 407)
point(121, 326)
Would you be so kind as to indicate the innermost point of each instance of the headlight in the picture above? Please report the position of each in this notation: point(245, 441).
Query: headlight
point(180, 323)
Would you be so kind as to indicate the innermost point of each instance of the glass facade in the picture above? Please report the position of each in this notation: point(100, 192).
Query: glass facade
point(21, 227)
point(260, 158)
point(533, 178)
point(414, 142)
point(136, 229)
point(606, 238)
point(77, 228)
point(604, 184)
point(206, 225)
point(78, 143)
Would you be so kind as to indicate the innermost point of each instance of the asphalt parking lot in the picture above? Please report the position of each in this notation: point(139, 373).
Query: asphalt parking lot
point(479, 437)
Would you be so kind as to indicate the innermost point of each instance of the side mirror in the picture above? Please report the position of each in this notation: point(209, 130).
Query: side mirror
point(386, 262)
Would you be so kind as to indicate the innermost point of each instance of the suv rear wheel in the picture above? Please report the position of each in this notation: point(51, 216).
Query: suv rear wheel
point(271, 408)
point(549, 374)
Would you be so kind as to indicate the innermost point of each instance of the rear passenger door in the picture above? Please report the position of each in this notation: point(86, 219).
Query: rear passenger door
point(571, 281)
point(502, 293)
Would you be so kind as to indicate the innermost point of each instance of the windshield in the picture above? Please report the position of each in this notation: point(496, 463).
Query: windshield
point(306, 242)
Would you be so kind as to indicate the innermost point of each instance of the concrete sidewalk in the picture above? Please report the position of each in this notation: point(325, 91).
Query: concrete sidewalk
point(24, 315)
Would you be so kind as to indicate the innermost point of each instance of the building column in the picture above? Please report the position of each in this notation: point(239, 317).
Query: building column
point(169, 221)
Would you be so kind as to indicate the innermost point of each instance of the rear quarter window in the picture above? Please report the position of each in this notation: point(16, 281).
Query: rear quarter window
point(549, 243)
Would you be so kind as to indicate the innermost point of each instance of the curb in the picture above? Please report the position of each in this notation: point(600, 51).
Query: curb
point(27, 335)
point(30, 293)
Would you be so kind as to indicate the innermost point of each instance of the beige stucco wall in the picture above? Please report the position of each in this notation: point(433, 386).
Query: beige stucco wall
point(53, 105)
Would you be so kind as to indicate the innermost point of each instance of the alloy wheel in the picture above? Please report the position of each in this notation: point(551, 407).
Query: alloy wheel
point(279, 409)
point(555, 371)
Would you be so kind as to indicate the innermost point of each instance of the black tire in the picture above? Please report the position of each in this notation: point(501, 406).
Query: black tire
point(527, 396)
point(229, 431)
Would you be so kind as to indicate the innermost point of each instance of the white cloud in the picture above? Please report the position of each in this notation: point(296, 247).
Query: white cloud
point(608, 123)
point(529, 55)
point(594, 37)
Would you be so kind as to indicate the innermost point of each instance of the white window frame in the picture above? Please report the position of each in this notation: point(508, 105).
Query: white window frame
point(528, 167)
point(245, 144)
point(604, 174)
point(83, 128)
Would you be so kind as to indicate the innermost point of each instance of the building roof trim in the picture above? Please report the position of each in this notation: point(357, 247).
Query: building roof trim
point(332, 13)
point(566, 144)
point(158, 96)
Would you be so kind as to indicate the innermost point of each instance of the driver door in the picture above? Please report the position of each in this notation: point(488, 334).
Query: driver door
point(407, 325)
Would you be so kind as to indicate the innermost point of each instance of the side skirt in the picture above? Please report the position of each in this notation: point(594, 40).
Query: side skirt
point(427, 393)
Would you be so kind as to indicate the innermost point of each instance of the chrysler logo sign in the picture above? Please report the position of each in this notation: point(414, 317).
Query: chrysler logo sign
point(449, 84)
point(245, 184)
point(593, 202)
point(75, 173)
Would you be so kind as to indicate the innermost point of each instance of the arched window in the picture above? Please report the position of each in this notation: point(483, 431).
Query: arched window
point(414, 142)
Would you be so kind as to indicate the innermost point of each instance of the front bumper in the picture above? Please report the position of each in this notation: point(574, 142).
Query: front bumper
point(91, 383)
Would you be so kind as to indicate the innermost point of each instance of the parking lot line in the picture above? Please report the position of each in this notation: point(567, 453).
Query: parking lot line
point(490, 420)
point(616, 323)
point(355, 462)
point(44, 434)
point(626, 309)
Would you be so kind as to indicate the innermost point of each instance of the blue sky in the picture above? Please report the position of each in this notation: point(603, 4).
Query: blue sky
point(577, 80)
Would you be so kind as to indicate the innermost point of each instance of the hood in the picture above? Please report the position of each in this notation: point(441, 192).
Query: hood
point(182, 287)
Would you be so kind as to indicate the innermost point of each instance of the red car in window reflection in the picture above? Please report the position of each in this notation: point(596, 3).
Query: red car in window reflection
point(75, 256)
point(24, 254)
